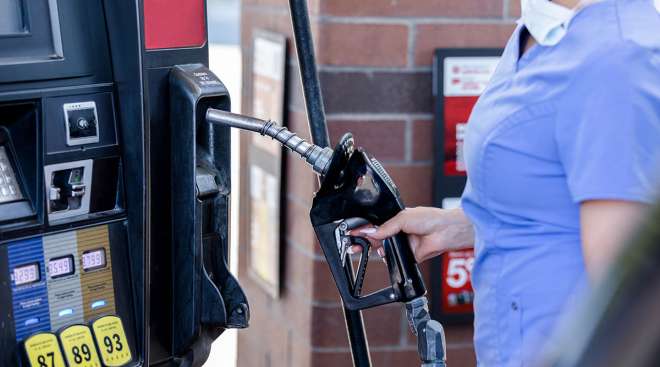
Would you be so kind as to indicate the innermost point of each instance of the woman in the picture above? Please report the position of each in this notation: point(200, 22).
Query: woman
point(562, 152)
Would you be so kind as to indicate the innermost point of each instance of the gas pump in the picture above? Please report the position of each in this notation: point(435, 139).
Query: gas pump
point(113, 222)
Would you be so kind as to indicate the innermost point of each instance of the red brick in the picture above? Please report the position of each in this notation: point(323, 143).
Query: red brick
point(432, 36)
point(363, 45)
point(396, 358)
point(414, 182)
point(383, 139)
point(323, 359)
point(383, 325)
point(461, 357)
point(324, 288)
point(377, 92)
point(423, 140)
point(409, 8)
point(296, 267)
point(299, 228)
point(328, 328)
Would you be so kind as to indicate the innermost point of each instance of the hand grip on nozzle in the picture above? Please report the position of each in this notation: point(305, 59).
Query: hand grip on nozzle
point(319, 158)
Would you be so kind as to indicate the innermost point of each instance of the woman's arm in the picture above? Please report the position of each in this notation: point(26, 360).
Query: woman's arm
point(605, 226)
point(431, 231)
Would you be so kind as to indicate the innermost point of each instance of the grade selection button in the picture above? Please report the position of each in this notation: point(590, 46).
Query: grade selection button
point(111, 340)
point(78, 346)
point(43, 350)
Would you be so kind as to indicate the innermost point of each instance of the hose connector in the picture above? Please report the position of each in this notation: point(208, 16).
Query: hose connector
point(319, 158)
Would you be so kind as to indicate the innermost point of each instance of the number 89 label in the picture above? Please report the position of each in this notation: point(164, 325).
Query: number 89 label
point(111, 339)
point(78, 346)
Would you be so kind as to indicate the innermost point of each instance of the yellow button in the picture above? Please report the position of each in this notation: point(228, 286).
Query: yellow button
point(111, 340)
point(78, 346)
point(43, 350)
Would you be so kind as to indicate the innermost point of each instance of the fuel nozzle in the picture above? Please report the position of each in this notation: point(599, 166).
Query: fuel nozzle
point(319, 158)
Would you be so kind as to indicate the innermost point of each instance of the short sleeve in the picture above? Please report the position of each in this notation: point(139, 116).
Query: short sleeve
point(608, 128)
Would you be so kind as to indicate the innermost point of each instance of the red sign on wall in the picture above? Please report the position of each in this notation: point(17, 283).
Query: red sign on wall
point(457, 276)
point(464, 78)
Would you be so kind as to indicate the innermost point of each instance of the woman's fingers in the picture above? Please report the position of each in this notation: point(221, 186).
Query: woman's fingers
point(388, 229)
point(358, 249)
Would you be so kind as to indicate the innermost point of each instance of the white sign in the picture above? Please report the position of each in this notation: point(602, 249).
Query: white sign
point(468, 76)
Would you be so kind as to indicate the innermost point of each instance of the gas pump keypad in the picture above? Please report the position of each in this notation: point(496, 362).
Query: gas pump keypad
point(81, 120)
point(9, 190)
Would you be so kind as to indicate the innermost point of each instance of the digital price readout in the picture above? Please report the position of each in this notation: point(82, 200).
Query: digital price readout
point(26, 274)
point(61, 267)
point(93, 260)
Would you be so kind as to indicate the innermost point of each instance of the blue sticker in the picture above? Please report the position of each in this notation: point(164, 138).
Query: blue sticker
point(28, 286)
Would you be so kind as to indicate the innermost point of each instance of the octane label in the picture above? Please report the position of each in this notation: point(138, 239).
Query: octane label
point(44, 351)
point(78, 346)
point(111, 339)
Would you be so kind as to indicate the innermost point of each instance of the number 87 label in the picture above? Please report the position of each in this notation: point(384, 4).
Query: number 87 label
point(43, 350)
point(111, 340)
point(78, 346)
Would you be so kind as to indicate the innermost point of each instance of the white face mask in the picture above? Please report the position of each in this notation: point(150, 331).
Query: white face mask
point(546, 21)
point(657, 4)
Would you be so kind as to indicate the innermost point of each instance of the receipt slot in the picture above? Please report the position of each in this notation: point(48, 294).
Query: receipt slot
point(206, 297)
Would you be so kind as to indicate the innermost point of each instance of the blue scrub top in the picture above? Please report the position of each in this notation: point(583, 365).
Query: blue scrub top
point(564, 124)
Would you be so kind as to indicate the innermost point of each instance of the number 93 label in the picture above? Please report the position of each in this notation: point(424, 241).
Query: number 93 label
point(78, 346)
point(111, 339)
point(43, 350)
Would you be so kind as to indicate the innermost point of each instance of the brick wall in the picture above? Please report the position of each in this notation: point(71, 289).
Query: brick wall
point(375, 68)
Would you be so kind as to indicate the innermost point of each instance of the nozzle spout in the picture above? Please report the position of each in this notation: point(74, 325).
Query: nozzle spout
point(319, 158)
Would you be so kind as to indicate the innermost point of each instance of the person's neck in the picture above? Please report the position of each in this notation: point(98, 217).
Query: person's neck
point(567, 3)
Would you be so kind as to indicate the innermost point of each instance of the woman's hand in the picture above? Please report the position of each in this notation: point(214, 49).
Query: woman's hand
point(431, 231)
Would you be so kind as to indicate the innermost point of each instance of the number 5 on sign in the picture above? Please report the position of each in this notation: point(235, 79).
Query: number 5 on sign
point(458, 271)
point(43, 350)
point(78, 346)
point(111, 339)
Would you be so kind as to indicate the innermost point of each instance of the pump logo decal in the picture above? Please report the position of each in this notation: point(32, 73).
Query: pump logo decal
point(98, 292)
point(28, 284)
point(64, 294)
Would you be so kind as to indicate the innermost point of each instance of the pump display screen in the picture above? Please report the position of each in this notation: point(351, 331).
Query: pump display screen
point(26, 274)
point(61, 266)
point(94, 259)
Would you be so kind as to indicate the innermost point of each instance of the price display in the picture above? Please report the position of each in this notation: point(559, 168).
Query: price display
point(111, 340)
point(78, 346)
point(94, 259)
point(27, 274)
point(60, 267)
point(457, 286)
point(43, 350)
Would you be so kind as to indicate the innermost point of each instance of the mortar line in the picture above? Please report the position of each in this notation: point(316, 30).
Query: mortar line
point(408, 20)
point(505, 9)
point(412, 33)
point(377, 116)
point(408, 140)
